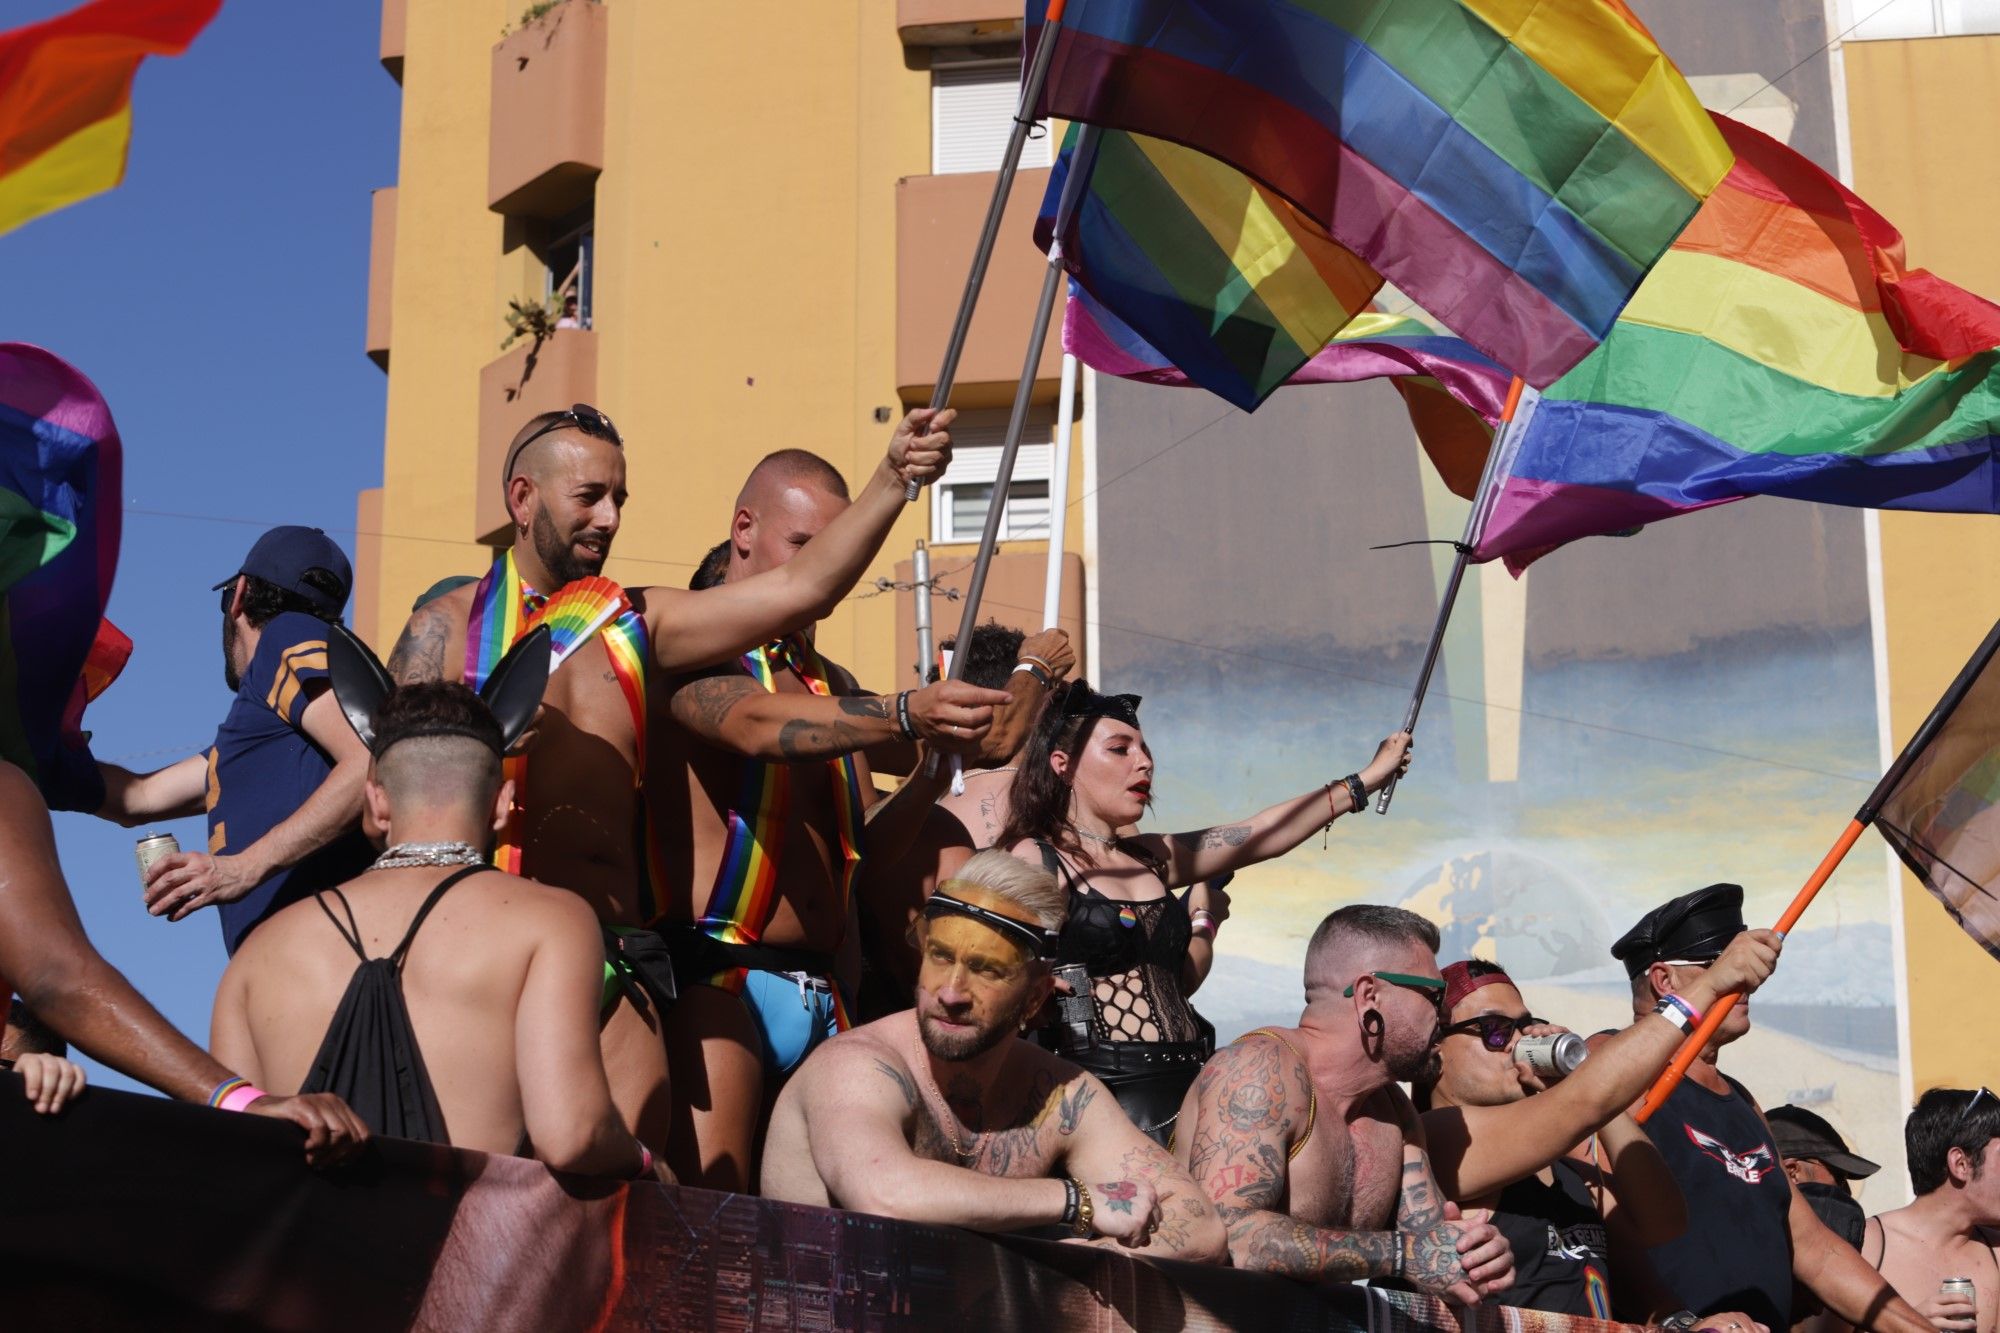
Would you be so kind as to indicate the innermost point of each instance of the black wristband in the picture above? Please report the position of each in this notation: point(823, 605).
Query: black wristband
point(1357, 790)
point(903, 716)
point(1035, 671)
point(1071, 1200)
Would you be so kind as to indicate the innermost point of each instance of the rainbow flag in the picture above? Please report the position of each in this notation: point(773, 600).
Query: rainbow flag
point(1516, 167)
point(1237, 287)
point(1781, 347)
point(60, 467)
point(66, 97)
point(1453, 392)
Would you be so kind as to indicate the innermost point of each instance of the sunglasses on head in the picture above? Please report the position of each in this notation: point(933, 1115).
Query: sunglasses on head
point(581, 416)
point(1493, 1030)
point(1985, 1093)
point(1431, 988)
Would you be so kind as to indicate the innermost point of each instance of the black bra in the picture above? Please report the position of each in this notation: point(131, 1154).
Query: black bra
point(1109, 936)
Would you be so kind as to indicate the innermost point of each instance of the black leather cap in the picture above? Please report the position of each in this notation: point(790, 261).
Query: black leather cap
point(1694, 926)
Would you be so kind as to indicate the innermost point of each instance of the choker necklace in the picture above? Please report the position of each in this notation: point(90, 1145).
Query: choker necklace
point(1096, 837)
point(429, 854)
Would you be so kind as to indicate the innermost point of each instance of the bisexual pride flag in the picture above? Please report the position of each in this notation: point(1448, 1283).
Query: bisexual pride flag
point(60, 468)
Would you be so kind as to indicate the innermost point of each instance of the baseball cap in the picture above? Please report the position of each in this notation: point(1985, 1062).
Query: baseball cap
point(281, 558)
point(1797, 1132)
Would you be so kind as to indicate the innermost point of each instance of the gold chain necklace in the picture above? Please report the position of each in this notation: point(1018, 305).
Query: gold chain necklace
point(948, 1120)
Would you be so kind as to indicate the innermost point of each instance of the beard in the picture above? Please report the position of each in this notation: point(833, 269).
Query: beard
point(230, 675)
point(559, 556)
point(1424, 1065)
point(957, 1047)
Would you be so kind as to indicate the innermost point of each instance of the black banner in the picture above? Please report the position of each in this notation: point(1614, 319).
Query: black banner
point(129, 1212)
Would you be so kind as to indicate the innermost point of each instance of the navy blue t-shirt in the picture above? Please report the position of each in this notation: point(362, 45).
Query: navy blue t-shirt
point(263, 767)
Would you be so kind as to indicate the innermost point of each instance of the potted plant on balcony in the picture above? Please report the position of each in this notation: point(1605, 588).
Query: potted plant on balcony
point(528, 318)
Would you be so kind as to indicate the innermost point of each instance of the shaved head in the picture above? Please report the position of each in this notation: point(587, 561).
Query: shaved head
point(785, 502)
point(1361, 938)
point(438, 773)
point(565, 492)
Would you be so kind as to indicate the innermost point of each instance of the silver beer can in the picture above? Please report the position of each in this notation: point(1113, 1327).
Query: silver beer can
point(1959, 1286)
point(151, 848)
point(1552, 1054)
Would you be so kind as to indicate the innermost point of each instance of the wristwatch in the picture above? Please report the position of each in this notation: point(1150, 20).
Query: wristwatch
point(1681, 1321)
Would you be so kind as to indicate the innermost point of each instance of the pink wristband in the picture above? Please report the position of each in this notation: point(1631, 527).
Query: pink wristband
point(1693, 1014)
point(240, 1098)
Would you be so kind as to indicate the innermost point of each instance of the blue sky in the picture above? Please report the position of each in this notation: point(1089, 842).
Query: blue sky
point(217, 298)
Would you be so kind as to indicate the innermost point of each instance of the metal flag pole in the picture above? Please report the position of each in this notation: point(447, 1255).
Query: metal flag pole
point(1059, 496)
point(1696, 1041)
point(1082, 158)
point(989, 232)
point(920, 577)
point(1474, 521)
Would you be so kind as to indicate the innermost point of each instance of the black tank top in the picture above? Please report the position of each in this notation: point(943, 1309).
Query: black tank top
point(1137, 947)
point(369, 1056)
point(1736, 1253)
point(1561, 1260)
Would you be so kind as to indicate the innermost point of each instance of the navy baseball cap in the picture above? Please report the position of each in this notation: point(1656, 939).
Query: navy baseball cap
point(281, 558)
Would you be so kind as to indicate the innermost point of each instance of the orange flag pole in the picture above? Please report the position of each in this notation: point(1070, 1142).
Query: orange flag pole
point(1696, 1041)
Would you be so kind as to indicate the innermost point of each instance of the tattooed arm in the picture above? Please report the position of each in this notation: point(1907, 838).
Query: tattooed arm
point(1205, 853)
point(423, 652)
point(862, 1111)
point(1249, 1106)
point(1108, 1153)
point(730, 710)
point(1442, 1251)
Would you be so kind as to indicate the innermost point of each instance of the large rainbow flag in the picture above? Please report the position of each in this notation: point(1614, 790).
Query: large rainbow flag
point(1453, 393)
point(60, 469)
point(1232, 283)
point(1781, 347)
point(1515, 166)
point(66, 97)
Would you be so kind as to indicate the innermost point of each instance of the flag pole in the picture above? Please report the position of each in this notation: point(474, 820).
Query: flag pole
point(1082, 158)
point(920, 579)
point(1059, 496)
point(1696, 1041)
point(989, 232)
point(1473, 522)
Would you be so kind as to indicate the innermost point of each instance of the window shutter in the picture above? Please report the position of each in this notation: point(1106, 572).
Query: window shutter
point(972, 113)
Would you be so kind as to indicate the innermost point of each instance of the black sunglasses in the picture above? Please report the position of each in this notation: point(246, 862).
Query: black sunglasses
point(581, 416)
point(1494, 1030)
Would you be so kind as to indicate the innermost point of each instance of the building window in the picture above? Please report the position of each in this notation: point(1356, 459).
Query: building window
point(973, 101)
point(567, 249)
point(959, 502)
point(1925, 18)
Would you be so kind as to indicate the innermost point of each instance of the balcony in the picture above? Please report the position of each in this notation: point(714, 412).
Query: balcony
point(381, 269)
point(1013, 596)
point(547, 143)
point(957, 22)
point(394, 20)
point(525, 381)
point(937, 224)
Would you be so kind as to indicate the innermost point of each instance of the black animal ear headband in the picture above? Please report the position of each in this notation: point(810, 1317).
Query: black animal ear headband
point(513, 692)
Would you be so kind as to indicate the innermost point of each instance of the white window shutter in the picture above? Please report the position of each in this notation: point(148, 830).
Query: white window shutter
point(972, 113)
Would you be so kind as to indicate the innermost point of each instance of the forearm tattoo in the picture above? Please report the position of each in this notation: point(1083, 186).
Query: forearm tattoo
point(868, 705)
point(1202, 840)
point(799, 740)
point(1421, 1207)
point(704, 704)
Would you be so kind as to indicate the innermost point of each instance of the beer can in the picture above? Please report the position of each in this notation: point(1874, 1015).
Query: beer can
point(151, 848)
point(1552, 1054)
point(1959, 1286)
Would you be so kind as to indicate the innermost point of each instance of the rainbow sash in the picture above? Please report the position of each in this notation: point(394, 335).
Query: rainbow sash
point(746, 883)
point(503, 609)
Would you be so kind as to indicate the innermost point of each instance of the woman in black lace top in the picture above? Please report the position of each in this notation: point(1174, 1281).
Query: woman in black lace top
point(1083, 785)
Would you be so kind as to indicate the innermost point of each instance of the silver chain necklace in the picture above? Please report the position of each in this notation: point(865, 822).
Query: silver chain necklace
point(1112, 841)
point(405, 854)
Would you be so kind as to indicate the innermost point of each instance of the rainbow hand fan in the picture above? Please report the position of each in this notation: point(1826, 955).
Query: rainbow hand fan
point(576, 611)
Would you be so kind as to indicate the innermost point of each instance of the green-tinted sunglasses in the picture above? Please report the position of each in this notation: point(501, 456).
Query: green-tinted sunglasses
point(1431, 987)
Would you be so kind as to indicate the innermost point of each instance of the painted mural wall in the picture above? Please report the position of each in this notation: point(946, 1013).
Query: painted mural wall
point(1636, 718)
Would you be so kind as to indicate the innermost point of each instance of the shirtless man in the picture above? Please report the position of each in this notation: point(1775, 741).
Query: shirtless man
point(1952, 1228)
point(760, 789)
point(85, 1001)
point(962, 822)
point(578, 824)
point(1314, 1158)
point(498, 975)
point(945, 1115)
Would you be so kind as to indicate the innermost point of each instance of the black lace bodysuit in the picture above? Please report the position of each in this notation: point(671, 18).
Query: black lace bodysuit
point(1135, 952)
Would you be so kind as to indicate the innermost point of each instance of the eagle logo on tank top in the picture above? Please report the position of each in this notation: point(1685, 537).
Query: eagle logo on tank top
point(1749, 1167)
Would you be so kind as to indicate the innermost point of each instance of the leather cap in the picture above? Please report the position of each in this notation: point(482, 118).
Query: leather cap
point(1694, 926)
